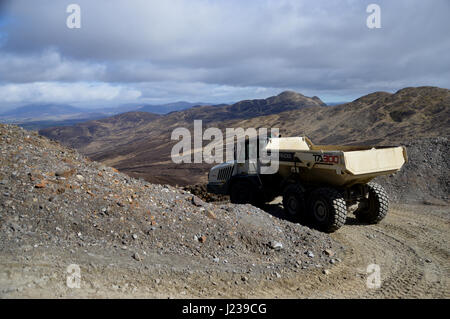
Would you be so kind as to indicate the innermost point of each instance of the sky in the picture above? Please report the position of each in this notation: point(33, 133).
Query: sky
point(217, 51)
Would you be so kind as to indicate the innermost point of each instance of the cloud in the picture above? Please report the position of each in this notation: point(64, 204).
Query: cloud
point(48, 65)
point(102, 94)
point(56, 92)
point(228, 48)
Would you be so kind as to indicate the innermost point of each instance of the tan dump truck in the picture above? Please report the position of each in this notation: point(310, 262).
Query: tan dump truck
point(318, 182)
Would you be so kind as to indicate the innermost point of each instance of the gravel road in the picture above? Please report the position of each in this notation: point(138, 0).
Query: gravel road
point(411, 247)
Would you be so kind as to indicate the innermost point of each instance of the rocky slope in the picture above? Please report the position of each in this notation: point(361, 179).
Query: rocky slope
point(51, 196)
point(426, 176)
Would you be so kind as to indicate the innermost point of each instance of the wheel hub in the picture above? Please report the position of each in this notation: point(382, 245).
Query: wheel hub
point(292, 205)
point(320, 210)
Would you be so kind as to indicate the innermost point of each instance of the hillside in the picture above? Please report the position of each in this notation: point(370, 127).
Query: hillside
point(377, 118)
point(142, 149)
point(112, 128)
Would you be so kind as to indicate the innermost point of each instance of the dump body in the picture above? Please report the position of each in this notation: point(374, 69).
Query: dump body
point(335, 165)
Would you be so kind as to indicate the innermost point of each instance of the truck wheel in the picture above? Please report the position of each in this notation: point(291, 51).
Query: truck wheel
point(242, 192)
point(293, 201)
point(328, 210)
point(375, 207)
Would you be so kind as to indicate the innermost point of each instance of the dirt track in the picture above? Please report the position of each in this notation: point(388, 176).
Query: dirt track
point(411, 246)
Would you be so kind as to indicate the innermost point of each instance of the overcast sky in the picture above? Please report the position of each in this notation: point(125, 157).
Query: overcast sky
point(143, 51)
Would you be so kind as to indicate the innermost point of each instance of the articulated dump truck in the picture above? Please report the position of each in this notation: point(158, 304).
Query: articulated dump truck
point(319, 183)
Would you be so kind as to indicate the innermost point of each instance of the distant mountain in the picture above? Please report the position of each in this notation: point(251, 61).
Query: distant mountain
point(285, 101)
point(41, 110)
point(169, 107)
point(246, 109)
point(41, 116)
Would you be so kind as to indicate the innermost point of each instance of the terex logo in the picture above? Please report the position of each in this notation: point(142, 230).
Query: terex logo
point(326, 159)
point(284, 156)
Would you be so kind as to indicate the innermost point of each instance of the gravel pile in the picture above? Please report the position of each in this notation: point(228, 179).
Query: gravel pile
point(53, 196)
point(426, 176)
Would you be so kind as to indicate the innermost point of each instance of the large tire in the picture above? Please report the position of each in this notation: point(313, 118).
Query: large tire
point(375, 207)
point(293, 202)
point(327, 209)
point(242, 192)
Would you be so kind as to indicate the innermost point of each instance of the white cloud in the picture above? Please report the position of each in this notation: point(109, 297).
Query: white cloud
point(163, 92)
point(55, 92)
point(48, 65)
